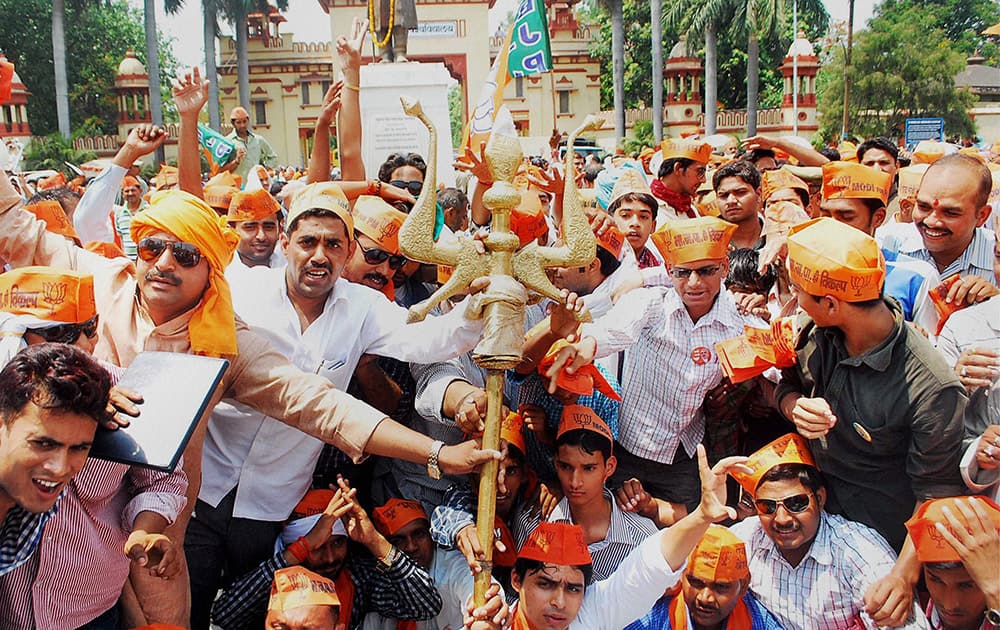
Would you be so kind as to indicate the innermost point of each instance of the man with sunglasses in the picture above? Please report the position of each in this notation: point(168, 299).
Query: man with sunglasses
point(671, 364)
point(811, 569)
point(251, 148)
point(376, 257)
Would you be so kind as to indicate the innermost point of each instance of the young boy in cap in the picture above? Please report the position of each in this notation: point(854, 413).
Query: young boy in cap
point(634, 209)
point(713, 591)
point(882, 408)
point(584, 461)
point(811, 569)
point(671, 363)
point(957, 600)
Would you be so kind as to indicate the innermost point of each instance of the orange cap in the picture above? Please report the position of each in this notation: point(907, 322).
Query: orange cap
point(556, 543)
point(930, 544)
point(130, 182)
point(848, 180)
point(108, 250)
point(322, 196)
point(295, 587)
point(782, 216)
point(629, 181)
point(527, 220)
point(51, 213)
point(56, 295)
point(689, 149)
point(779, 179)
point(397, 514)
point(56, 181)
point(166, 178)
point(738, 360)
point(219, 190)
point(720, 556)
point(379, 221)
point(254, 205)
point(827, 257)
point(314, 502)
point(579, 417)
point(687, 240)
point(909, 180)
point(930, 151)
point(512, 431)
point(583, 381)
point(848, 151)
point(709, 205)
point(612, 241)
point(790, 448)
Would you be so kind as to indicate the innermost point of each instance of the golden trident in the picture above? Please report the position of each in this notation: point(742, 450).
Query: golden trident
point(512, 273)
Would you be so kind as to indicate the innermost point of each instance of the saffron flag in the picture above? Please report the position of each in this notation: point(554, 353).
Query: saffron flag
point(526, 51)
point(216, 147)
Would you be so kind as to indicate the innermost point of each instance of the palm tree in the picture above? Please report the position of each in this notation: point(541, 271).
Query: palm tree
point(618, 65)
point(756, 18)
point(695, 17)
point(237, 11)
point(153, 60)
point(59, 63)
point(656, 35)
point(210, 12)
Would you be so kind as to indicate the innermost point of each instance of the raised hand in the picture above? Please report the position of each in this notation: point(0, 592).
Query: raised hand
point(331, 105)
point(476, 165)
point(713, 485)
point(349, 49)
point(190, 93)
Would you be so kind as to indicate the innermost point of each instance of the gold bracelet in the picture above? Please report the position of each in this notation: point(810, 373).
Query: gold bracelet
point(352, 87)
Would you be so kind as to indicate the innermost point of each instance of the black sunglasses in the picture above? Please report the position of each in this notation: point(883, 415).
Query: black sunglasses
point(67, 333)
point(376, 256)
point(414, 186)
point(704, 272)
point(795, 504)
point(186, 254)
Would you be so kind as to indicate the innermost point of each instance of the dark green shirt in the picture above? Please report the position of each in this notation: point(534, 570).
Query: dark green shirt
point(898, 436)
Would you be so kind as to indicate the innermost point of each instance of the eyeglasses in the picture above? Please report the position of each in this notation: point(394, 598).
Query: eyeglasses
point(681, 273)
point(795, 504)
point(186, 254)
point(376, 256)
point(67, 333)
point(414, 186)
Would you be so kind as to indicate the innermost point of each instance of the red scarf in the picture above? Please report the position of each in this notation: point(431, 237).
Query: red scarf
point(345, 593)
point(680, 202)
point(739, 619)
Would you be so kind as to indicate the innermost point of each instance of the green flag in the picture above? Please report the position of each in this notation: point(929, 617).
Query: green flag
point(216, 147)
point(530, 49)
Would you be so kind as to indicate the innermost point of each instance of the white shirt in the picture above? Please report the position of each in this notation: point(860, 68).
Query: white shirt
point(825, 591)
point(270, 462)
point(235, 271)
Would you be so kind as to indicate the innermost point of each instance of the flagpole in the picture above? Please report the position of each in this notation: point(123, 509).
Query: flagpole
point(552, 86)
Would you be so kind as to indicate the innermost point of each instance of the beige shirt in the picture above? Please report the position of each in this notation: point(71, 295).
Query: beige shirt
point(258, 376)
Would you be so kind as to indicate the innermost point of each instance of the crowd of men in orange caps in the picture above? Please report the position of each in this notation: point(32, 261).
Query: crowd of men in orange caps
point(784, 413)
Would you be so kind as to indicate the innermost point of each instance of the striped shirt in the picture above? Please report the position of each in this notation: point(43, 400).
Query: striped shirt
point(671, 366)
point(626, 531)
point(659, 617)
point(825, 591)
point(977, 259)
point(20, 533)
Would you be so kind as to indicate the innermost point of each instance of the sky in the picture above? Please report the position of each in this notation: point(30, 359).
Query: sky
point(309, 23)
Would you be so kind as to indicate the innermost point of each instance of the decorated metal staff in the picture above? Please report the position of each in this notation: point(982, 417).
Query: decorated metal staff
point(512, 272)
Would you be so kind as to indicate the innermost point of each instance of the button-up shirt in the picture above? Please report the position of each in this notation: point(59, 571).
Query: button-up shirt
point(670, 366)
point(826, 590)
point(977, 259)
point(271, 463)
point(258, 149)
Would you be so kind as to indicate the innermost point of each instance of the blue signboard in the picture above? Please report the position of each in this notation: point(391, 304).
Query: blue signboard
point(918, 129)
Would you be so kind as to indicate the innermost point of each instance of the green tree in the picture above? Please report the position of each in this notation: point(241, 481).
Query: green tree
point(53, 152)
point(99, 36)
point(902, 66)
point(961, 21)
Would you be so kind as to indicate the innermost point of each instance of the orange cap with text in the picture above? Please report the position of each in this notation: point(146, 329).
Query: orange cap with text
point(295, 587)
point(583, 381)
point(720, 556)
point(827, 257)
point(254, 205)
point(397, 514)
point(695, 150)
point(790, 448)
point(49, 293)
point(527, 220)
point(579, 417)
point(709, 205)
point(166, 178)
point(379, 221)
point(512, 431)
point(688, 240)
point(849, 180)
point(909, 180)
point(51, 213)
point(780, 217)
point(930, 544)
point(556, 543)
point(612, 241)
point(314, 502)
point(779, 179)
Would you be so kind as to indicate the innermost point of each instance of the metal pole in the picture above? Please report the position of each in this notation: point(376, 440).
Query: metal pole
point(847, 68)
point(656, 34)
point(795, 68)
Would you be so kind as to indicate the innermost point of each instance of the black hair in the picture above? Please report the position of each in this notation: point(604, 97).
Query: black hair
point(744, 169)
point(743, 263)
point(591, 171)
point(395, 160)
point(864, 304)
point(524, 566)
point(452, 198)
point(830, 153)
point(609, 264)
point(944, 566)
point(313, 212)
point(590, 441)
point(62, 195)
point(808, 476)
point(669, 165)
point(646, 199)
point(755, 155)
point(982, 173)
point(881, 143)
point(54, 376)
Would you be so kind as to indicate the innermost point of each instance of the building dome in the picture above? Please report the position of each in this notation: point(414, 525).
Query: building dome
point(680, 49)
point(801, 47)
point(130, 65)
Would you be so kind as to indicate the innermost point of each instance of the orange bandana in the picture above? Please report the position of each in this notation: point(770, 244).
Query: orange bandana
point(557, 543)
point(212, 330)
point(788, 449)
point(295, 587)
point(378, 221)
point(583, 382)
point(255, 205)
point(51, 213)
point(827, 257)
point(930, 544)
point(846, 180)
point(397, 514)
point(688, 240)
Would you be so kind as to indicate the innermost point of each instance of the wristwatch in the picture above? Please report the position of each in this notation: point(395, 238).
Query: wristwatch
point(433, 470)
point(993, 617)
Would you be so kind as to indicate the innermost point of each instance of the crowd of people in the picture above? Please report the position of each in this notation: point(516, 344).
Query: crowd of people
point(782, 412)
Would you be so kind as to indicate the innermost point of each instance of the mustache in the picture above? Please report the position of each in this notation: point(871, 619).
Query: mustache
point(923, 225)
point(156, 274)
point(376, 277)
point(322, 266)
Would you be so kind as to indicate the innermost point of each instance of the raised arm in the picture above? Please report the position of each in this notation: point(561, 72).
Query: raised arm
point(319, 159)
point(349, 123)
point(190, 95)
